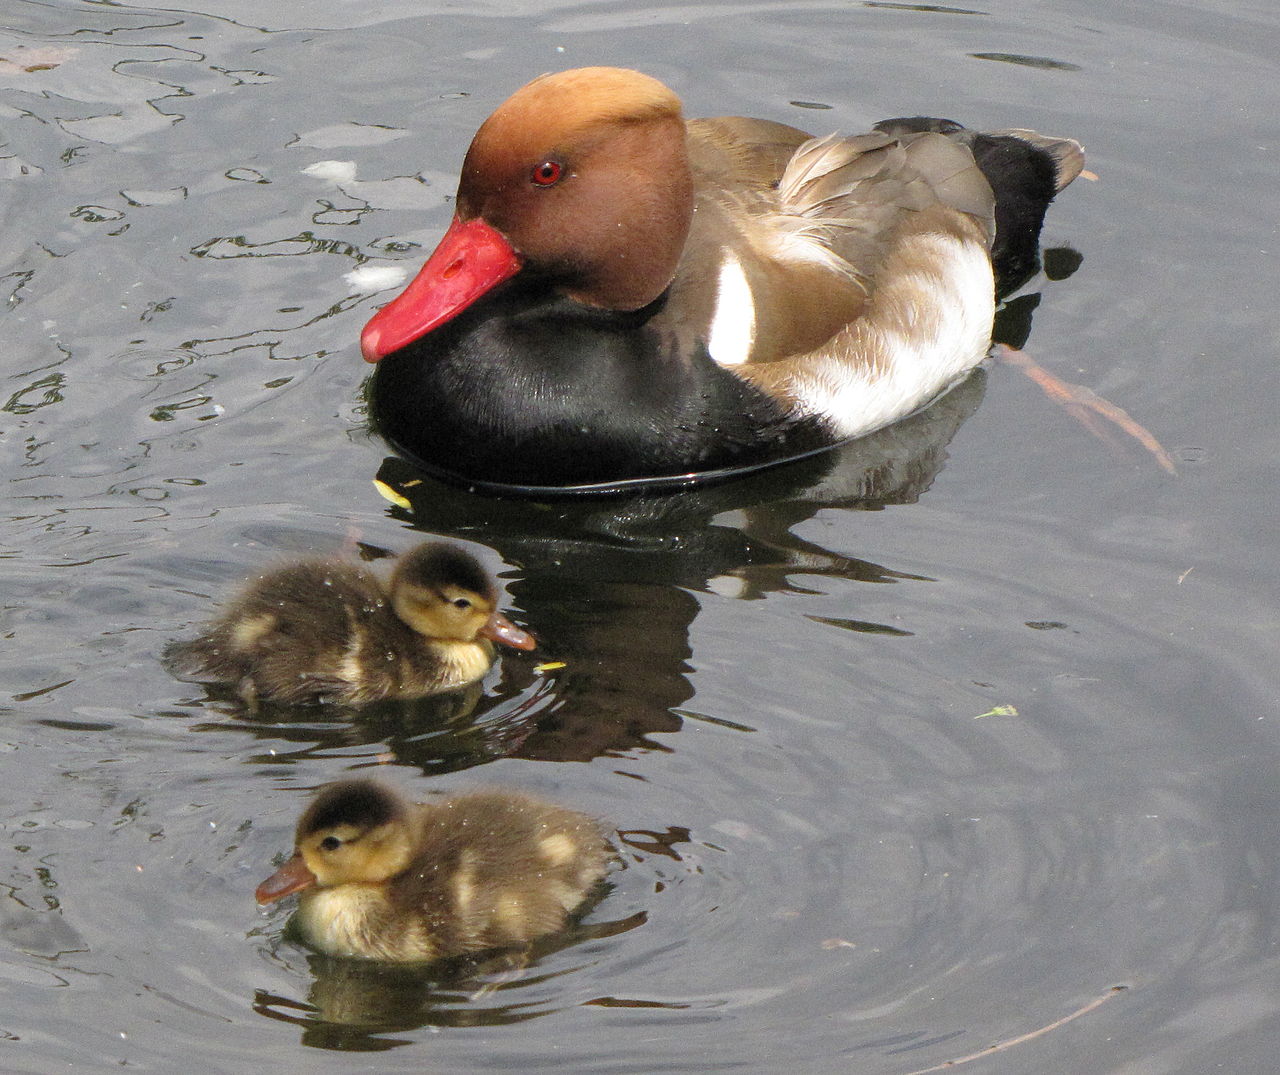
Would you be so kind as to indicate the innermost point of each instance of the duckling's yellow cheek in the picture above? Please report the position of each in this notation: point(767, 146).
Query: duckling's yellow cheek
point(336, 920)
point(465, 661)
point(248, 631)
point(557, 849)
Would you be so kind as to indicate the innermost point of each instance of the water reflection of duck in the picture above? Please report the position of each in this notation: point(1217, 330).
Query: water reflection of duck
point(383, 878)
point(327, 630)
point(624, 296)
point(617, 583)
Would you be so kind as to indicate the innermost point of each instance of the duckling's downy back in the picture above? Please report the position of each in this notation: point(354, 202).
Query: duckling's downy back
point(384, 879)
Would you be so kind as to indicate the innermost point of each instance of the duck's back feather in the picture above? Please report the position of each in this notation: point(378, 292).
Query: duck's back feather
point(737, 152)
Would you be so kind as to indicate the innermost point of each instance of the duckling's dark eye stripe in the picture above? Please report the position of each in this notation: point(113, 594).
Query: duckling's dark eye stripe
point(457, 602)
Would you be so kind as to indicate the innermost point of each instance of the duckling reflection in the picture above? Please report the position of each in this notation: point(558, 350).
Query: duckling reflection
point(326, 630)
point(382, 878)
point(353, 1004)
point(442, 733)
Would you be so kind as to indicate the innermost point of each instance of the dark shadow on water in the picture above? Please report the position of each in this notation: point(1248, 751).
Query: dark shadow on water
point(612, 586)
point(440, 734)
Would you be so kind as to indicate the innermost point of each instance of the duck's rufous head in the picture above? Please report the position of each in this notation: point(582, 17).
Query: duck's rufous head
point(582, 177)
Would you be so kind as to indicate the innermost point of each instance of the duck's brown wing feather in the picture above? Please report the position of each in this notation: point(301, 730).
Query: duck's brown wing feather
point(736, 153)
point(812, 221)
point(851, 195)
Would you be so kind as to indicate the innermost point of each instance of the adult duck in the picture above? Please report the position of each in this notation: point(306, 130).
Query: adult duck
point(626, 298)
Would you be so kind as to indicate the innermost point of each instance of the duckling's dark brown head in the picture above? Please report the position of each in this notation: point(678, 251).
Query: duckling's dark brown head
point(443, 592)
point(354, 832)
point(437, 564)
point(361, 805)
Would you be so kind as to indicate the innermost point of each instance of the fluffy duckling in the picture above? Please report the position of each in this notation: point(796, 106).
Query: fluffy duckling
point(383, 878)
point(326, 630)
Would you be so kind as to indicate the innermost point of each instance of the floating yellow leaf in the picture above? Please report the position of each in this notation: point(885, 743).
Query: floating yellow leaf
point(548, 666)
point(387, 493)
point(998, 711)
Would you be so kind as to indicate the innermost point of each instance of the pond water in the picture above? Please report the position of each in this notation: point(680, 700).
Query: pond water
point(916, 749)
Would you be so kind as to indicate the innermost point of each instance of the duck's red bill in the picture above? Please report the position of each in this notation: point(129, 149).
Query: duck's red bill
point(501, 629)
point(292, 877)
point(471, 259)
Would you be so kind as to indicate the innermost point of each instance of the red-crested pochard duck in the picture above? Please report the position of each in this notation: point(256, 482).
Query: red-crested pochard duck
point(325, 630)
point(626, 297)
point(383, 878)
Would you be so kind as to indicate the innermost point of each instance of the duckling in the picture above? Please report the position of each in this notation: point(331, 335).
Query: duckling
point(383, 878)
point(326, 630)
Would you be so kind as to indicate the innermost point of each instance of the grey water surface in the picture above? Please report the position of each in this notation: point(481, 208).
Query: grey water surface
point(916, 749)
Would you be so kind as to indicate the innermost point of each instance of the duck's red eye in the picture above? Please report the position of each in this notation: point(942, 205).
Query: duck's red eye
point(547, 173)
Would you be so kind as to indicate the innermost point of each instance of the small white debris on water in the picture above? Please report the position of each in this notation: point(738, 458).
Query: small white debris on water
point(376, 277)
point(334, 171)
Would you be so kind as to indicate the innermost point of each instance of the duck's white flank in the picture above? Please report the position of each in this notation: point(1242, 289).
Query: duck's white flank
point(733, 326)
point(925, 330)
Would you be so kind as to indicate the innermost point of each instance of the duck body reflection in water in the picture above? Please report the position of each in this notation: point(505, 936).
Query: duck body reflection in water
point(382, 878)
point(616, 583)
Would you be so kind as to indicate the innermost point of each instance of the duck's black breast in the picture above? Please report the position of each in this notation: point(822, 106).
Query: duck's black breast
point(526, 388)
